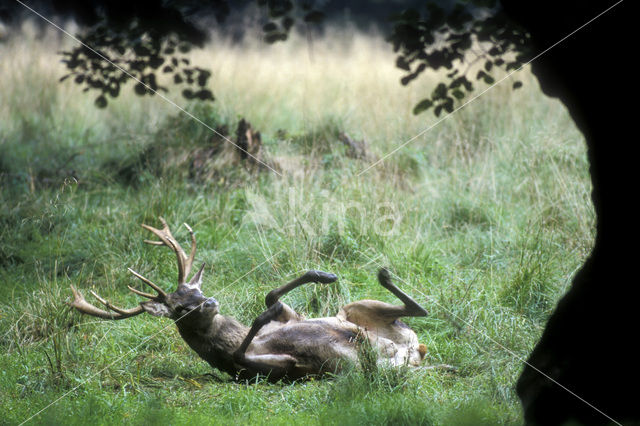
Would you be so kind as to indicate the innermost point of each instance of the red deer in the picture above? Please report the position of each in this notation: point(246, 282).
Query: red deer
point(280, 344)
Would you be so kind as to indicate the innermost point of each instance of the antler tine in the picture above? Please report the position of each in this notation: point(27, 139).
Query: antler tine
point(113, 307)
point(161, 292)
point(142, 293)
point(167, 239)
point(85, 307)
point(192, 255)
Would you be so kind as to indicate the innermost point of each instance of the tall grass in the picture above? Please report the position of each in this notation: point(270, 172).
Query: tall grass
point(484, 219)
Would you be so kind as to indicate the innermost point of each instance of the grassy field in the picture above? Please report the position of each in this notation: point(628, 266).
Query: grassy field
point(484, 219)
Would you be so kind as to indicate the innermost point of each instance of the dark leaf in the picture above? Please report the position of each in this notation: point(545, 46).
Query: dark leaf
point(517, 85)
point(155, 62)
point(287, 23)
point(203, 76)
point(114, 90)
point(274, 37)
point(269, 27)
point(150, 79)
point(73, 63)
point(140, 50)
point(140, 89)
point(95, 83)
point(100, 101)
point(458, 94)
point(440, 91)
point(457, 82)
point(188, 94)
point(407, 79)
point(448, 105)
point(423, 105)
point(204, 95)
point(402, 63)
point(314, 17)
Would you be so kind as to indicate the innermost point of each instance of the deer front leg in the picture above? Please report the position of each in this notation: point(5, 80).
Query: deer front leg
point(287, 313)
point(309, 277)
point(274, 366)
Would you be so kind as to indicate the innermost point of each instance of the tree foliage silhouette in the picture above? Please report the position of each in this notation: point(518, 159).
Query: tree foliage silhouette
point(137, 41)
point(471, 37)
point(143, 40)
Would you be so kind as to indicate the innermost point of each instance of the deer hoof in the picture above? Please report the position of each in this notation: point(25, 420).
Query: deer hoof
point(383, 275)
point(322, 277)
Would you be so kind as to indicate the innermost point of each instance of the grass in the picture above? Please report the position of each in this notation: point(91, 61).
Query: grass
point(484, 219)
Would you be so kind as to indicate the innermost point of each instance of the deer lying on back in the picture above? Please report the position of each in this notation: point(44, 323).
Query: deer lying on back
point(280, 344)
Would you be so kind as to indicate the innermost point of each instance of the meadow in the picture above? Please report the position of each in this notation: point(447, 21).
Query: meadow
point(483, 219)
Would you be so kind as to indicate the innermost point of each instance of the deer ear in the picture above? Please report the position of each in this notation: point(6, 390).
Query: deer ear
point(156, 309)
point(196, 280)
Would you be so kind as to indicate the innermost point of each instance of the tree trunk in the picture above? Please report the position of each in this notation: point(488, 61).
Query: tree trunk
point(588, 345)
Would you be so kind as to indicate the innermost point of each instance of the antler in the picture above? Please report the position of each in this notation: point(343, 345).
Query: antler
point(114, 312)
point(167, 239)
point(184, 268)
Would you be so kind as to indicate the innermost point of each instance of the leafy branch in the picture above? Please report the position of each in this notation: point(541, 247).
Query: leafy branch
point(457, 40)
point(113, 57)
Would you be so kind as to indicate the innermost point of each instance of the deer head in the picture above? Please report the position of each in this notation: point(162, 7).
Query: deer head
point(187, 304)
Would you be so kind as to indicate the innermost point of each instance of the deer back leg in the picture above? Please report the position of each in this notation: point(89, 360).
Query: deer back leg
point(411, 308)
point(272, 366)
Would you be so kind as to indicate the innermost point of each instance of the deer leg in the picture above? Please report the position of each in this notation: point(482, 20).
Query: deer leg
point(272, 366)
point(310, 277)
point(275, 366)
point(411, 308)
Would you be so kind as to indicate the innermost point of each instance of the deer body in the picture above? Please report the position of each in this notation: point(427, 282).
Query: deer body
point(305, 346)
point(280, 344)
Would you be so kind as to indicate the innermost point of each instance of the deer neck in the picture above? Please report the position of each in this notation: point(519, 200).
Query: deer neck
point(217, 342)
